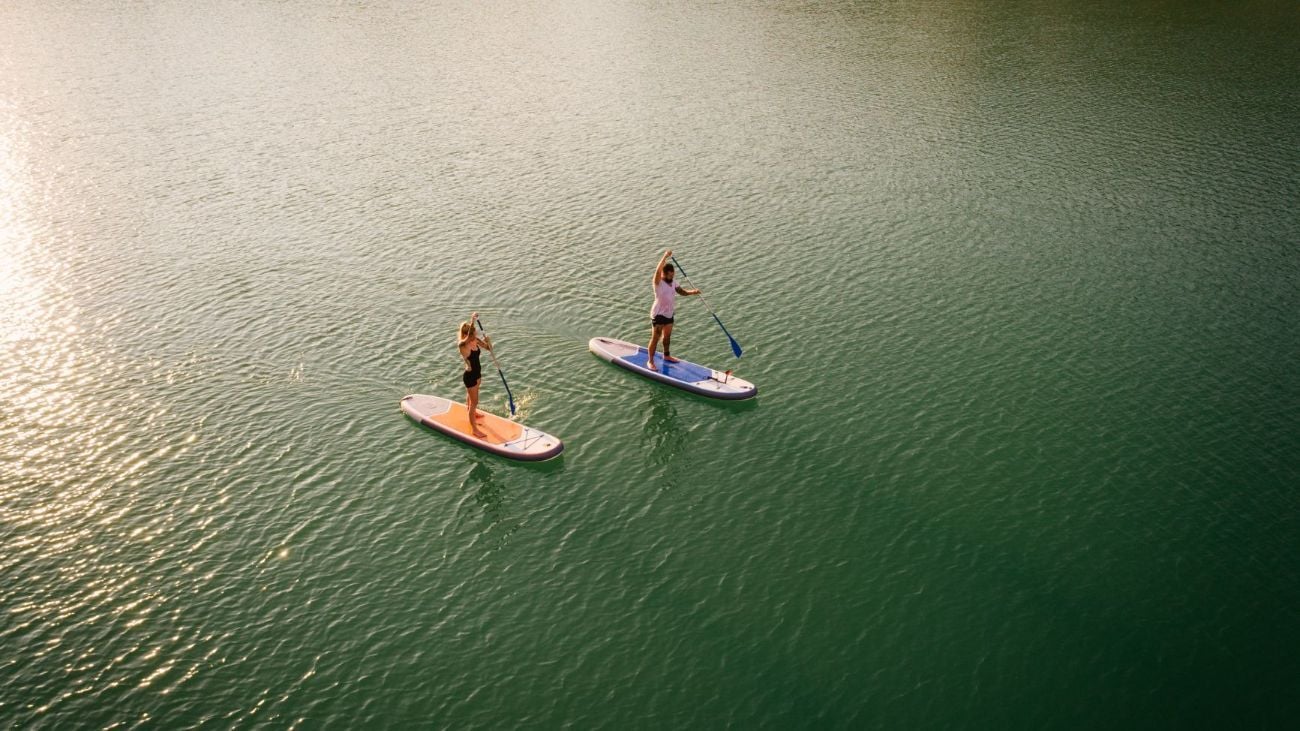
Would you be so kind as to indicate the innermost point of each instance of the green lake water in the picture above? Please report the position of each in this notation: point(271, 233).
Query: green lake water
point(1018, 284)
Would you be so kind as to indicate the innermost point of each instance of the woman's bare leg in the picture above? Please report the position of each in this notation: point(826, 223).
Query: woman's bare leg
point(471, 407)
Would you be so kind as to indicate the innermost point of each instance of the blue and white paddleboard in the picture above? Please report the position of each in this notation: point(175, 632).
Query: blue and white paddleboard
point(682, 374)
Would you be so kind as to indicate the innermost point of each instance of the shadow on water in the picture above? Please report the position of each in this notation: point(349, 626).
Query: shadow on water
point(550, 466)
point(733, 406)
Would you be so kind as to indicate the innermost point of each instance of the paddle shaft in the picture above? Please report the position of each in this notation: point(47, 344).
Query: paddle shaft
point(735, 346)
point(495, 362)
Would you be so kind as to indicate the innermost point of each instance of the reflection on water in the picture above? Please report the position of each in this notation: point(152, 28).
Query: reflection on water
point(487, 490)
point(664, 434)
point(486, 486)
point(486, 483)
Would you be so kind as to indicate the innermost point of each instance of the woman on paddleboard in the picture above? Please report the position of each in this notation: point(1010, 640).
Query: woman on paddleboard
point(661, 314)
point(469, 343)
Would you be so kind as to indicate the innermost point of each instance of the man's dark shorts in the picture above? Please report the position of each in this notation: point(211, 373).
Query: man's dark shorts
point(661, 320)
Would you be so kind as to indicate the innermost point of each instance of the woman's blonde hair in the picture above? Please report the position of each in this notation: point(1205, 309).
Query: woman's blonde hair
point(465, 329)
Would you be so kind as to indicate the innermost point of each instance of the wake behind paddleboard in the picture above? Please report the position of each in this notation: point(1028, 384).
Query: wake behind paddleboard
point(504, 437)
point(682, 374)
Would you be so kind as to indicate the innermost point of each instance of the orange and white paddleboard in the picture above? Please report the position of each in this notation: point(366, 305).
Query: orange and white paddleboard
point(504, 437)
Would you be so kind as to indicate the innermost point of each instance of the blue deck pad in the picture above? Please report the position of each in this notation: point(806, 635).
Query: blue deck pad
point(681, 371)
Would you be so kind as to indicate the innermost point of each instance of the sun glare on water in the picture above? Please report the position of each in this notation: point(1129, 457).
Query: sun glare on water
point(57, 451)
point(76, 456)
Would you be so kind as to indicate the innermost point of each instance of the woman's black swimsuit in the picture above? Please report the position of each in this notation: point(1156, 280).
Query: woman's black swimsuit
point(472, 376)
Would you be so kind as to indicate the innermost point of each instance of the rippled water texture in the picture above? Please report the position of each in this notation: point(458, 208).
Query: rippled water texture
point(1018, 285)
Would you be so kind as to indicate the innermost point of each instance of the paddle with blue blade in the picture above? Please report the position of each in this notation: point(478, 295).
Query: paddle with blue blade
point(735, 346)
point(492, 352)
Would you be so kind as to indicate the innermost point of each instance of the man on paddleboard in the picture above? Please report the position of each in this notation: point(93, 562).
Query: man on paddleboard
point(661, 314)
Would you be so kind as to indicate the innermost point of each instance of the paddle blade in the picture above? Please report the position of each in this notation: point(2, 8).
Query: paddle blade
point(735, 346)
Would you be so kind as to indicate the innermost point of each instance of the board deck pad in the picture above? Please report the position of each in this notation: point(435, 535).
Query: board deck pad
point(683, 374)
point(498, 430)
point(502, 436)
point(681, 370)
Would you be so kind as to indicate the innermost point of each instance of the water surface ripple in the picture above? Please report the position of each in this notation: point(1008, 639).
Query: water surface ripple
point(1018, 286)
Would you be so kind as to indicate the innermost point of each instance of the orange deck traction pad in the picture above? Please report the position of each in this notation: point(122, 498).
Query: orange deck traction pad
point(498, 430)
